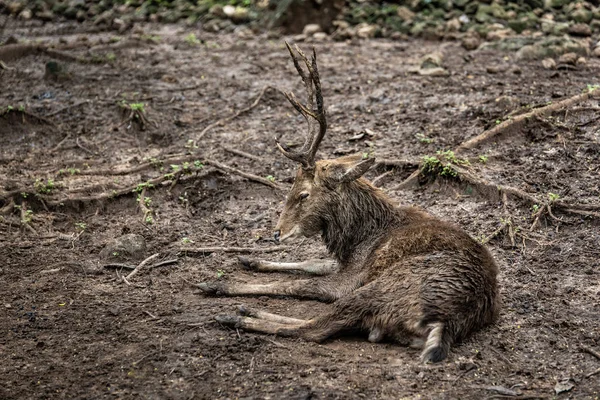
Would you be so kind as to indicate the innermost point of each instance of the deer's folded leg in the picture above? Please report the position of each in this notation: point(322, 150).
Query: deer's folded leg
point(313, 267)
point(326, 289)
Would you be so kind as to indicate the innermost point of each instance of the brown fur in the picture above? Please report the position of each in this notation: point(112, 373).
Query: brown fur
point(402, 272)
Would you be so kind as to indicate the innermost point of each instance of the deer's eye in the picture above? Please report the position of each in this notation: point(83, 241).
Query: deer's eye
point(303, 196)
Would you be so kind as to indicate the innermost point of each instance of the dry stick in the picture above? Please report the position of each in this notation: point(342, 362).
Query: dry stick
point(378, 179)
point(140, 266)
point(237, 114)
point(593, 373)
point(396, 163)
point(246, 175)
point(517, 122)
point(242, 153)
point(591, 351)
point(204, 250)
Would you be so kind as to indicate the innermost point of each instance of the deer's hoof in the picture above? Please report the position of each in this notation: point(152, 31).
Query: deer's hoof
point(229, 320)
point(245, 311)
point(248, 263)
point(211, 288)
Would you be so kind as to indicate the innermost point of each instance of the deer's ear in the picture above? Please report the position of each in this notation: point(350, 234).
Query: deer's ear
point(349, 169)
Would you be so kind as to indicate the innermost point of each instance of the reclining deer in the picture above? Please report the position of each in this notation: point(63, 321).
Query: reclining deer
point(400, 273)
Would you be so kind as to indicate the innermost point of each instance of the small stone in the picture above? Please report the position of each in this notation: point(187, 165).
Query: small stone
point(15, 7)
point(582, 15)
point(549, 63)
point(217, 11)
point(311, 29)
point(453, 25)
point(438, 71)
point(470, 43)
point(568, 58)
point(405, 14)
point(499, 34)
point(596, 52)
point(299, 38)
point(229, 10)
point(131, 246)
point(496, 69)
point(56, 72)
point(581, 61)
point(320, 36)
point(580, 30)
point(366, 31)
point(25, 15)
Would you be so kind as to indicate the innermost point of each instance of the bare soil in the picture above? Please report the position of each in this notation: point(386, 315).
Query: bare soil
point(71, 328)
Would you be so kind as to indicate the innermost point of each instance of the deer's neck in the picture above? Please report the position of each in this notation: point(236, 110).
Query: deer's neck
point(360, 217)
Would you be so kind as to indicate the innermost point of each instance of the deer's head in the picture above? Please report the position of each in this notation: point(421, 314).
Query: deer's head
point(319, 185)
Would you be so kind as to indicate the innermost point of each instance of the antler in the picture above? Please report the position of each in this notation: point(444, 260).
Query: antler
point(306, 154)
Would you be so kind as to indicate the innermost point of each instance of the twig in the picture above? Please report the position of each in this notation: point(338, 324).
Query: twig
point(166, 262)
point(379, 178)
point(518, 122)
point(242, 153)
point(591, 351)
point(79, 103)
point(593, 373)
point(82, 147)
point(246, 175)
point(120, 266)
point(237, 114)
point(140, 266)
point(408, 182)
point(58, 146)
point(205, 250)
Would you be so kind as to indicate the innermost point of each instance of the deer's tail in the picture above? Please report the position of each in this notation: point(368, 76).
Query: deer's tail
point(438, 343)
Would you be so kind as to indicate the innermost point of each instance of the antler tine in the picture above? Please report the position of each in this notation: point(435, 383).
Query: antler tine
point(306, 154)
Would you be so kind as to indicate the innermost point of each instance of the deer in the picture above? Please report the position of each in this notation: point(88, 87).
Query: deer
point(397, 272)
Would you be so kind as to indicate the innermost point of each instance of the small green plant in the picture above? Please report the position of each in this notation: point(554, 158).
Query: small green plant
point(220, 273)
point(191, 144)
point(137, 107)
point(192, 39)
point(498, 122)
point(27, 216)
point(140, 187)
point(186, 240)
point(424, 139)
point(111, 57)
point(43, 187)
point(591, 88)
point(149, 219)
point(198, 164)
point(70, 171)
point(81, 226)
point(483, 159)
point(535, 208)
point(553, 197)
point(271, 178)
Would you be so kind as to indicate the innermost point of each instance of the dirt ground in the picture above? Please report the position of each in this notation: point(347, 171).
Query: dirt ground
point(71, 328)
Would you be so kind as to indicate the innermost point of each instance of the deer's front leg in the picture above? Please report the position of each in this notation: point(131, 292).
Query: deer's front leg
point(313, 267)
point(326, 290)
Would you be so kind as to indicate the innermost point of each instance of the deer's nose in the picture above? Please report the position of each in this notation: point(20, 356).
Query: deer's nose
point(276, 235)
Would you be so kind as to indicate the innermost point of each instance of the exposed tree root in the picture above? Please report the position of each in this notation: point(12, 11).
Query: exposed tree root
point(12, 52)
point(139, 268)
point(235, 115)
point(492, 189)
point(516, 123)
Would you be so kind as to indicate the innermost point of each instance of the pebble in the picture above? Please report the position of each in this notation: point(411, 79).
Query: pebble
point(568, 58)
point(549, 63)
point(124, 247)
point(311, 29)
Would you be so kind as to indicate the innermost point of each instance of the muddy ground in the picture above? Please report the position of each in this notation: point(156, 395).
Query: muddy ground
point(71, 328)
